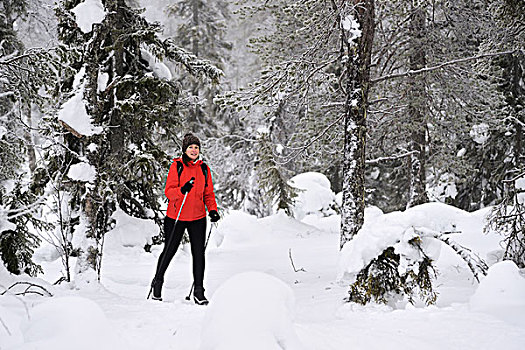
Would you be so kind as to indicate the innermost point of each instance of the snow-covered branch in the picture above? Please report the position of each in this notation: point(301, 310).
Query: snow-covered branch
point(394, 157)
point(442, 65)
point(194, 65)
point(473, 261)
point(296, 151)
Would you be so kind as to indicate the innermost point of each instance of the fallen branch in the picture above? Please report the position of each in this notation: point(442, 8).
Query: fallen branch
point(473, 261)
point(291, 260)
point(28, 289)
point(5, 326)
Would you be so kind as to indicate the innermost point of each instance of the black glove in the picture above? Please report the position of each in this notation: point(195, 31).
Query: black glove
point(214, 216)
point(187, 186)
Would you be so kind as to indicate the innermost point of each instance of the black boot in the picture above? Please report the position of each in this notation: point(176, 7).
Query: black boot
point(156, 287)
point(198, 296)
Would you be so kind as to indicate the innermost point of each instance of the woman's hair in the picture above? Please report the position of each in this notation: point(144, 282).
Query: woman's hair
point(185, 158)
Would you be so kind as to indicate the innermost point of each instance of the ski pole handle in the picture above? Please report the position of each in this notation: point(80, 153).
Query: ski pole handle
point(192, 180)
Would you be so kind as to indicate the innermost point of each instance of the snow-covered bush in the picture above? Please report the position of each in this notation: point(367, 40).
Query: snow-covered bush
point(392, 257)
point(315, 196)
point(381, 280)
point(385, 278)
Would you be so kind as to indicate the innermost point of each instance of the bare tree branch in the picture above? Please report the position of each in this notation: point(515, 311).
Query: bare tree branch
point(439, 66)
point(27, 290)
point(394, 157)
point(291, 260)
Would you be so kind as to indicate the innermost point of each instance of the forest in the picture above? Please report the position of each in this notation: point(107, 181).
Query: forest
point(398, 103)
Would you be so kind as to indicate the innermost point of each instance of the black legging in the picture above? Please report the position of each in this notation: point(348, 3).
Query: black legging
point(197, 234)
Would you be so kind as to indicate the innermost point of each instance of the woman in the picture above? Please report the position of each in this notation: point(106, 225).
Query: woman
point(189, 185)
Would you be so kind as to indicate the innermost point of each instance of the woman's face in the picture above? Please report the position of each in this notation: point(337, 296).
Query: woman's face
point(193, 152)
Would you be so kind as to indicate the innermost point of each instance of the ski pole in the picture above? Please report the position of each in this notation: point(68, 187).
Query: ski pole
point(188, 297)
point(168, 243)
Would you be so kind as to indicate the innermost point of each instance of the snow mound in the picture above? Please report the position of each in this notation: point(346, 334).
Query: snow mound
point(82, 172)
point(332, 223)
point(63, 323)
point(501, 292)
point(286, 226)
point(237, 228)
point(394, 230)
point(232, 230)
point(251, 310)
point(130, 231)
point(315, 196)
point(88, 13)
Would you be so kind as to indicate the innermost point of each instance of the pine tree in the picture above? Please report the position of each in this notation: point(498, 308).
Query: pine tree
point(130, 98)
point(22, 73)
point(297, 88)
point(505, 158)
point(440, 113)
point(201, 31)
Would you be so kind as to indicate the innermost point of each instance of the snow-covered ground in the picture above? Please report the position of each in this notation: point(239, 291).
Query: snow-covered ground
point(273, 283)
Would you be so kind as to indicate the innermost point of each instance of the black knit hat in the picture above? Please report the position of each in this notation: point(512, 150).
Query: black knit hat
point(190, 139)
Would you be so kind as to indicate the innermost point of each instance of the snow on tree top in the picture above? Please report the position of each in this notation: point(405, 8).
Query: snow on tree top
point(352, 27)
point(75, 116)
point(82, 172)
point(88, 13)
point(160, 70)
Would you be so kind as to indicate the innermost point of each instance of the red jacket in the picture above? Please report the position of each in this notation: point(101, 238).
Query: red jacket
point(198, 196)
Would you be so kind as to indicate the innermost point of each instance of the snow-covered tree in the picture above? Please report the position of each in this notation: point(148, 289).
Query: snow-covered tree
point(315, 72)
point(23, 72)
point(117, 106)
point(508, 219)
point(428, 94)
point(504, 155)
point(201, 31)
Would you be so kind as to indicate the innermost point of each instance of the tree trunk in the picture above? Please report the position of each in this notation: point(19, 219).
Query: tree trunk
point(518, 92)
point(359, 52)
point(416, 110)
point(28, 135)
point(195, 116)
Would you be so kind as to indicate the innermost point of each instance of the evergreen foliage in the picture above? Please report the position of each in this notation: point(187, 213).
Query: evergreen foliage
point(508, 219)
point(382, 282)
point(502, 158)
point(270, 177)
point(17, 241)
point(450, 101)
point(408, 272)
point(129, 95)
point(22, 73)
point(296, 92)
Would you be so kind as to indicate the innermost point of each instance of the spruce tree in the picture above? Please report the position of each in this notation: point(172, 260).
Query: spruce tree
point(201, 31)
point(130, 99)
point(505, 157)
point(22, 73)
point(438, 107)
